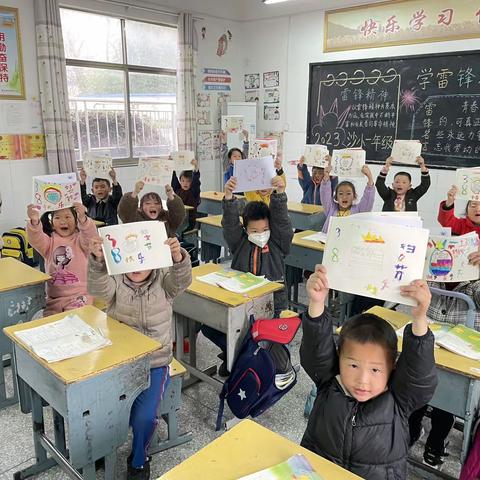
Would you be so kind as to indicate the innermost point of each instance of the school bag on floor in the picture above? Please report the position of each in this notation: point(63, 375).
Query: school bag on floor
point(15, 245)
point(262, 371)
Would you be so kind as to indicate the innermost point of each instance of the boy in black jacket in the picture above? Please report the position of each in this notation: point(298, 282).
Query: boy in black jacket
point(402, 197)
point(365, 397)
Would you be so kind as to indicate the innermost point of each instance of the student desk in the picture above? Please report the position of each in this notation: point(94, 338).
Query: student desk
point(211, 202)
point(306, 217)
point(245, 449)
point(211, 237)
point(458, 389)
point(92, 393)
point(22, 294)
point(220, 309)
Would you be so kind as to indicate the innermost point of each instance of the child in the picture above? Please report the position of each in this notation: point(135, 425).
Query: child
point(188, 189)
point(102, 205)
point(64, 247)
point(151, 208)
point(259, 246)
point(402, 198)
point(360, 416)
point(232, 154)
point(143, 300)
point(341, 205)
point(310, 185)
point(459, 226)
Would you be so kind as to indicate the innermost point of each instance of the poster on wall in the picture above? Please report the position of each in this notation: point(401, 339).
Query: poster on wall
point(252, 81)
point(11, 63)
point(271, 95)
point(271, 112)
point(22, 147)
point(271, 79)
point(216, 79)
point(252, 95)
point(203, 100)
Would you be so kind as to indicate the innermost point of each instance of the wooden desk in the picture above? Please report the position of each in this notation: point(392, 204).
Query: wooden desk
point(458, 389)
point(220, 309)
point(22, 294)
point(245, 449)
point(306, 217)
point(211, 202)
point(92, 393)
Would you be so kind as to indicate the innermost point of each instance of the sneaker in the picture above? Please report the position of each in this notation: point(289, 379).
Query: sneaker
point(222, 370)
point(142, 473)
point(434, 458)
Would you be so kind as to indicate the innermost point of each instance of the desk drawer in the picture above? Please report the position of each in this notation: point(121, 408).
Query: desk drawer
point(21, 304)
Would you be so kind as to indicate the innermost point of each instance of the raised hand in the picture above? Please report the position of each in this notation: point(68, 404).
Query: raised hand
point(169, 191)
point(317, 291)
point(278, 184)
point(95, 247)
point(138, 188)
point(230, 188)
point(33, 214)
point(174, 245)
point(82, 174)
point(418, 290)
point(81, 212)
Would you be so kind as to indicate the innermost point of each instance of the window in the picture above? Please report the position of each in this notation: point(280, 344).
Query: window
point(121, 77)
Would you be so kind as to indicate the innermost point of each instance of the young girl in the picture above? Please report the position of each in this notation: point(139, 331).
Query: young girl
point(229, 156)
point(143, 300)
point(365, 396)
point(64, 246)
point(341, 205)
point(151, 208)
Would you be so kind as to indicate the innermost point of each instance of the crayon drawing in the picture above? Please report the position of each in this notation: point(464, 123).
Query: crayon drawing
point(468, 183)
point(183, 160)
point(315, 155)
point(254, 174)
point(348, 162)
point(155, 170)
point(54, 192)
point(97, 166)
point(263, 147)
point(406, 151)
point(232, 123)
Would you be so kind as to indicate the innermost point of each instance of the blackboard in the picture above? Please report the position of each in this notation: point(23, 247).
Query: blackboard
point(370, 103)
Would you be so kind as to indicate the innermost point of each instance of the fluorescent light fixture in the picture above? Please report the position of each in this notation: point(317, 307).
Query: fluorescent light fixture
point(269, 2)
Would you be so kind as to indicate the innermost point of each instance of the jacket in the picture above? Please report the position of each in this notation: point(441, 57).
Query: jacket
point(310, 189)
point(368, 438)
point(189, 197)
point(247, 257)
point(227, 165)
point(331, 208)
point(459, 226)
point(94, 209)
point(146, 307)
point(256, 196)
point(128, 211)
point(411, 196)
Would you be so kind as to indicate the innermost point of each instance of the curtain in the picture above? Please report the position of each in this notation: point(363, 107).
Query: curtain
point(186, 75)
point(52, 75)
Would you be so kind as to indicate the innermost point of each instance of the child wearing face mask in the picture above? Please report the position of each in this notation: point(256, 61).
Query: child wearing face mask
point(63, 243)
point(151, 208)
point(259, 246)
point(310, 184)
point(402, 197)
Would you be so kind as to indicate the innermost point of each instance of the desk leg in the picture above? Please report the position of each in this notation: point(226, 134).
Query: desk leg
point(471, 413)
point(59, 433)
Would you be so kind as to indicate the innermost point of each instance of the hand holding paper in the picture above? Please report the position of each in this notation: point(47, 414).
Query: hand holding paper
point(254, 174)
point(174, 245)
point(406, 151)
point(55, 192)
point(317, 291)
point(419, 292)
point(230, 187)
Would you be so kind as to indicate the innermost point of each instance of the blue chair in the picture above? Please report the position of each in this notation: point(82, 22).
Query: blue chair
point(472, 309)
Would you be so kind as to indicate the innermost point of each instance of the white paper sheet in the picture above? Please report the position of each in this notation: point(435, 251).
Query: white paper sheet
point(155, 170)
point(97, 166)
point(54, 192)
point(317, 237)
point(315, 155)
point(406, 151)
point(348, 162)
point(263, 147)
point(134, 247)
point(254, 174)
point(373, 259)
point(406, 219)
point(183, 160)
point(232, 123)
point(468, 183)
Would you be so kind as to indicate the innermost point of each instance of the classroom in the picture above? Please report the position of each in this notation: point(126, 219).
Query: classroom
point(308, 300)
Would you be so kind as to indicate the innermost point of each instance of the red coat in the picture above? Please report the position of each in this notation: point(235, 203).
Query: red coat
point(459, 226)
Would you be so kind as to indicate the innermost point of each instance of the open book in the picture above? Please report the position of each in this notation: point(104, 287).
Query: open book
point(234, 281)
point(295, 467)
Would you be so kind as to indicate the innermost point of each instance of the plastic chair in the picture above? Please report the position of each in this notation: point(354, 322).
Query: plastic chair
point(470, 320)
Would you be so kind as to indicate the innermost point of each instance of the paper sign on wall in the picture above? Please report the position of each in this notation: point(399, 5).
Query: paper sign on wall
point(97, 166)
point(348, 162)
point(54, 192)
point(406, 151)
point(155, 170)
point(372, 258)
point(183, 160)
point(468, 183)
point(254, 174)
point(447, 258)
point(232, 123)
point(134, 247)
point(263, 147)
point(315, 155)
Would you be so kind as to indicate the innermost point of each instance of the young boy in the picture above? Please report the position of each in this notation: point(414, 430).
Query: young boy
point(402, 197)
point(103, 202)
point(365, 397)
point(143, 300)
point(310, 184)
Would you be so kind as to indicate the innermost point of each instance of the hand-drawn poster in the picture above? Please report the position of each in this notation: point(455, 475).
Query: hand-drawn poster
point(348, 162)
point(21, 147)
point(204, 116)
point(271, 112)
point(468, 183)
point(373, 259)
point(232, 123)
point(275, 135)
point(203, 100)
point(447, 258)
point(183, 160)
point(252, 81)
point(406, 151)
point(155, 170)
point(252, 95)
point(134, 247)
point(315, 155)
point(97, 166)
point(254, 174)
point(54, 192)
point(263, 147)
point(271, 79)
point(271, 95)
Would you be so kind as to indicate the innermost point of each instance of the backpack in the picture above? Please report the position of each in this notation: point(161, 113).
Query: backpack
point(15, 245)
point(262, 371)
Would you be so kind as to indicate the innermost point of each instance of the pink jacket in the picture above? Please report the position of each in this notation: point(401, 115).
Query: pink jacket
point(66, 260)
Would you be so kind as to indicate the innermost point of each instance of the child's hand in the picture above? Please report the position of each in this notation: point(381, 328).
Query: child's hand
point(113, 175)
point(138, 188)
point(278, 161)
point(418, 290)
point(174, 245)
point(388, 163)
point(326, 172)
point(368, 173)
point(328, 159)
point(278, 184)
point(194, 163)
point(83, 176)
point(230, 188)
point(95, 247)
point(245, 135)
point(302, 160)
point(169, 191)
point(474, 259)
point(81, 212)
point(317, 291)
point(33, 214)
point(451, 194)
point(421, 164)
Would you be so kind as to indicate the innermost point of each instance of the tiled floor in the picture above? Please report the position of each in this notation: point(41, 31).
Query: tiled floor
point(198, 414)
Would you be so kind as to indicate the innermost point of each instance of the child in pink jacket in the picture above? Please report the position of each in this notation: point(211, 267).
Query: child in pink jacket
point(65, 252)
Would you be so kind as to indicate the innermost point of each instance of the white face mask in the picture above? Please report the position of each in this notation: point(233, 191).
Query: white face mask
point(259, 239)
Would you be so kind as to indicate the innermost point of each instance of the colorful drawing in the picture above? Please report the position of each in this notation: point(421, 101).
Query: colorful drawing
point(97, 166)
point(254, 174)
point(315, 155)
point(348, 162)
point(468, 183)
point(232, 123)
point(134, 247)
point(372, 238)
point(155, 170)
point(54, 192)
point(183, 160)
point(406, 151)
point(263, 147)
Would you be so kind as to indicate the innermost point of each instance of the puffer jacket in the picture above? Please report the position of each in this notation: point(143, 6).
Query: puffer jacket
point(146, 307)
point(368, 438)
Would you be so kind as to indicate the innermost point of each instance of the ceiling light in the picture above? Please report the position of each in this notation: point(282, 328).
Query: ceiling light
point(269, 2)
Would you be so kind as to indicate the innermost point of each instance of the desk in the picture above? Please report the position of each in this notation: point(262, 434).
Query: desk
point(458, 389)
point(306, 217)
point(22, 294)
point(211, 237)
point(211, 202)
point(245, 449)
point(92, 393)
point(220, 309)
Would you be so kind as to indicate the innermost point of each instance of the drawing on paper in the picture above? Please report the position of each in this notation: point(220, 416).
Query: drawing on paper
point(155, 170)
point(263, 147)
point(254, 174)
point(406, 151)
point(271, 79)
point(232, 123)
point(348, 162)
point(54, 192)
point(183, 160)
point(315, 155)
point(252, 96)
point(203, 100)
point(468, 183)
point(97, 166)
point(252, 81)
